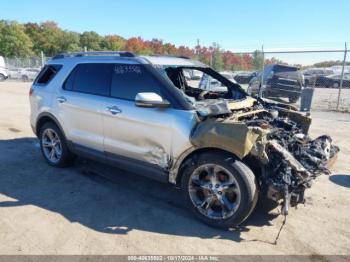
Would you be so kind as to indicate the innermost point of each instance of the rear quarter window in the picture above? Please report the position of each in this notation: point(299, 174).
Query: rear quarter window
point(90, 78)
point(47, 74)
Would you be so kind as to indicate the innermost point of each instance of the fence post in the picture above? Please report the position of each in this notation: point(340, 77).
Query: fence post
point(262, 72)
point(42, 58)
point(342, 76)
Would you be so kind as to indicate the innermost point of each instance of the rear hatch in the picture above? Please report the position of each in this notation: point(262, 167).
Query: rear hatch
point(286, 78)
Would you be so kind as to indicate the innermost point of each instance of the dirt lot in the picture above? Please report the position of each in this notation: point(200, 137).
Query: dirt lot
point(44, 210)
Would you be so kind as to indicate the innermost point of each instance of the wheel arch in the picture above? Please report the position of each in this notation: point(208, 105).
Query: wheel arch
point(175, 173)
point(44, 118)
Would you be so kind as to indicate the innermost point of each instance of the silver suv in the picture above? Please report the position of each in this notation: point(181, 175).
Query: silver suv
point(223, 147)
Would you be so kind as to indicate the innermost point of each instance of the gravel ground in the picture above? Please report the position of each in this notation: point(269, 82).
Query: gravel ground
point(91, 209)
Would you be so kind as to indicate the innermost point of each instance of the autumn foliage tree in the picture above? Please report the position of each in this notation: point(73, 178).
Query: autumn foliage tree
point(30, 39)
point(113, 43)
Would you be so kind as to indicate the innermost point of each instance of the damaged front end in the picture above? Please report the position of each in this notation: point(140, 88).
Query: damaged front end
point(273, 140)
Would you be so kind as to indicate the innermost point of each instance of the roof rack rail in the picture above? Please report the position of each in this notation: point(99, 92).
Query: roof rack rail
point(174, 56)
point(95, 53)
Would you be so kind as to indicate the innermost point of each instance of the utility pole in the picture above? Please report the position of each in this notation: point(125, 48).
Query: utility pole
point(197, 49)
point(213, 52)
point(342, 76)
point(42, 59)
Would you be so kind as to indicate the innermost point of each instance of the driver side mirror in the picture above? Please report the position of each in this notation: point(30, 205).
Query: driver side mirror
point(151, 100)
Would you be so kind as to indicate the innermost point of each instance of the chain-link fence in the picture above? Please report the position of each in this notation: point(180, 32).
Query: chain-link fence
point(315, 79)
point(24, 69)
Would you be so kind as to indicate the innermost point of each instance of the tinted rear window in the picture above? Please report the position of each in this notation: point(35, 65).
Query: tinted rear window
point(279, 69)
point(90, 78)
point(47, 74)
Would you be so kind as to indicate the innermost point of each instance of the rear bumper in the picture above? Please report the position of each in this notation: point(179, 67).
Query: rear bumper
point(282, 91)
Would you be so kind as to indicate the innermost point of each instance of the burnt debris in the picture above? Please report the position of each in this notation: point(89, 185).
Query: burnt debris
point(294, 159)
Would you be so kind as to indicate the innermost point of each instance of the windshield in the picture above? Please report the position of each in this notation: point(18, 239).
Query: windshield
point(201, 83)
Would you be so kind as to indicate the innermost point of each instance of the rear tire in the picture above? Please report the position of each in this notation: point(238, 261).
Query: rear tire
point(2, 78)
point(234, 201)
point(335, 85)
point(54, 146)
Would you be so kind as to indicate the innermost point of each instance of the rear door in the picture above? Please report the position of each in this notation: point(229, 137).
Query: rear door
point(80, 102)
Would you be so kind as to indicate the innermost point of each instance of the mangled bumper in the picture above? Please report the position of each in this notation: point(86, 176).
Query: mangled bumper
point(278, 146)
point(287, 174)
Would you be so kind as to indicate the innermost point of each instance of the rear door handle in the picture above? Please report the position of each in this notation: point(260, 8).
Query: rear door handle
point(61, 99)
point(114, 110)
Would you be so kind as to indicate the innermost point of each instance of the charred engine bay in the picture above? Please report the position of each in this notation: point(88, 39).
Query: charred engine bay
point(294, 159)
point(289, 160)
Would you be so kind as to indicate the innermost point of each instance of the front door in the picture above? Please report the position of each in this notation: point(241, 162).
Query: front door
point(137, 134)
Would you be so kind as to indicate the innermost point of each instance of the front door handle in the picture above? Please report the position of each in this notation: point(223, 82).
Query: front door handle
point(61, 99)
point(114, 110)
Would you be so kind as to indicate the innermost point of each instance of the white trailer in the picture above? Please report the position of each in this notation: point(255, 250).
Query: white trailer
point(3, 72)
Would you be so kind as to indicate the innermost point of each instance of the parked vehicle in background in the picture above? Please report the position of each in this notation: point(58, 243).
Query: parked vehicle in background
point(3, 72)
point(15, 73)
point(229, 75)
point(188, 74)
point(338, 69)
point(196, 75)
point(245, 77)
point(312, 75)
point(211, 84)
point(333, 81)
point(29, 74)
point(280, 81)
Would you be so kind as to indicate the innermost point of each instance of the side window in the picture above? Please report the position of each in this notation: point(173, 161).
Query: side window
point(128, 80)
point(47, 73)
point(68, 84)
point(90, 78)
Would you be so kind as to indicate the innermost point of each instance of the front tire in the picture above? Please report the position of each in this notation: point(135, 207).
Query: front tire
point(2, 78)
point(219, 189)
point(54, 146)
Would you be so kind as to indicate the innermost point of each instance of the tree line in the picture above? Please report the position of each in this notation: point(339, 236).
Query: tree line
point(30, 39)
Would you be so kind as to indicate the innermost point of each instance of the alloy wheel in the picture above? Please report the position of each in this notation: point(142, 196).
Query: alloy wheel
point(214, 191)
point(52, 145)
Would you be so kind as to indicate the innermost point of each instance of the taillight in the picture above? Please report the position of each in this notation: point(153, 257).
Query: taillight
point(31, 91)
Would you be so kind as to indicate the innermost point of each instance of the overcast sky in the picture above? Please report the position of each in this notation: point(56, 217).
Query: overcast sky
point(235, 25)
